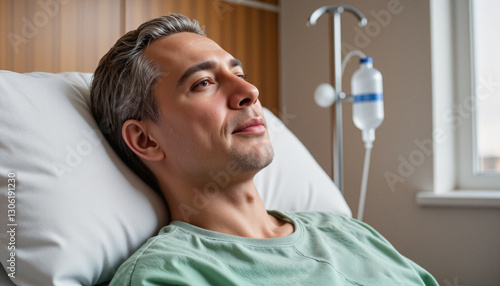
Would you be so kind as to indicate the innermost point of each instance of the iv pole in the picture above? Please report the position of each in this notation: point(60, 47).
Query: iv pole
point(336, 11)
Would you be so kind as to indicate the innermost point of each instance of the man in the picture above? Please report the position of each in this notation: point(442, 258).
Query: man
point(177, 108)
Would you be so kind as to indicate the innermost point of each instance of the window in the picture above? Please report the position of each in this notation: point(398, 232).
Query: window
point(477, 103)
point(486, 78)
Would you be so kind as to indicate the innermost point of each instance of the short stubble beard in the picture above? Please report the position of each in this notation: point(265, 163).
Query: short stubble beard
point(252, 161)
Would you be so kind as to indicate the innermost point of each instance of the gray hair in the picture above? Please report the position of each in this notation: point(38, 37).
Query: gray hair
point(123, 81)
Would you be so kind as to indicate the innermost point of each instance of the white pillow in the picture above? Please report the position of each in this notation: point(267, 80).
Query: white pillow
point(79, 211)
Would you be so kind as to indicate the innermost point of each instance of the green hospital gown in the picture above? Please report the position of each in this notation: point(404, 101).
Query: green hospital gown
point(325, 249)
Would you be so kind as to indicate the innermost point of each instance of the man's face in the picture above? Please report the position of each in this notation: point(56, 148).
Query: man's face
point(210, 113)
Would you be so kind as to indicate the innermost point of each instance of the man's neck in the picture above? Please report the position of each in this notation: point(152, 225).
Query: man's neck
point(237, 210)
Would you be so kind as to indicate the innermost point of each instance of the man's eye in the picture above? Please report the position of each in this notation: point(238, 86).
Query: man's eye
point(243, 76)
point(203, 83)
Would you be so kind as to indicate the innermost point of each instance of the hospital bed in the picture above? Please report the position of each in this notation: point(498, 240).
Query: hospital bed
point(72, 212)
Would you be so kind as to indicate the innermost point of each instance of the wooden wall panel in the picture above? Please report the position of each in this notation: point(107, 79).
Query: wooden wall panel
point(72, 35)
point(4, 12)
point(56, 36)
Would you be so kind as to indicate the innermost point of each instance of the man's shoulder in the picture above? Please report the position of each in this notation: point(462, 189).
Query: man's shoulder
point(168, 245)
point(165, 241)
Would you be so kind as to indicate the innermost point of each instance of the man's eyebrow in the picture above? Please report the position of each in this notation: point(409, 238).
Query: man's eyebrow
point(204, 66)
point(196, 68)
point(236, 63)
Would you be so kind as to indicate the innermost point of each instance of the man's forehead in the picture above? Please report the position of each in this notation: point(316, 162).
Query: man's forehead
point(183, 46)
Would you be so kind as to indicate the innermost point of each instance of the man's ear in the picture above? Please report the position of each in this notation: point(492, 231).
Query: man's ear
point(136, 135)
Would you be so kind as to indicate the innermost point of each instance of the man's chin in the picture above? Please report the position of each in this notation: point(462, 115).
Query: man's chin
point(254, 161)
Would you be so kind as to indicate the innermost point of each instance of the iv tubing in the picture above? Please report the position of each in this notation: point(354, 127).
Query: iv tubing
point(364, 180)
point(349, 56)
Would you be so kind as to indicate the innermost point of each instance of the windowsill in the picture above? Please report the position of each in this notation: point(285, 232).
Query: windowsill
point(460, 198)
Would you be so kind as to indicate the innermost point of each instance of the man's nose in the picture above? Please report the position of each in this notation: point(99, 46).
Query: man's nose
point(242, 93)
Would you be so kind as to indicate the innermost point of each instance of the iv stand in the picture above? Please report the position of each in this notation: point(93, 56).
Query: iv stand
point(336, 11)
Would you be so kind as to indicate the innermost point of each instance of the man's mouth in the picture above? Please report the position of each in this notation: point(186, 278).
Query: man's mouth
point(252, 126)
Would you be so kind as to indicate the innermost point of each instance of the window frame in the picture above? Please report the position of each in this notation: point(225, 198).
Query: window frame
point(452, 85)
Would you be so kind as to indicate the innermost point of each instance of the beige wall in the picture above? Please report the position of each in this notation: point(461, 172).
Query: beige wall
point(460, 246)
